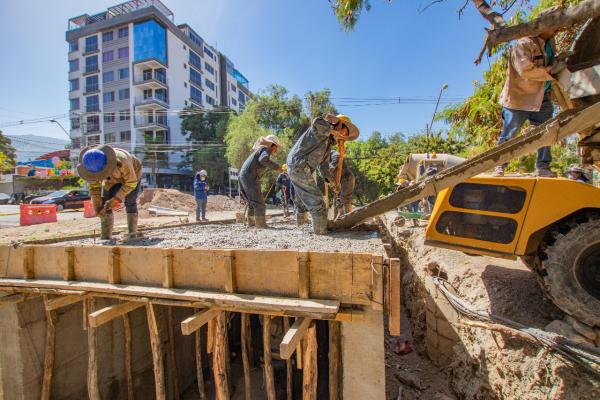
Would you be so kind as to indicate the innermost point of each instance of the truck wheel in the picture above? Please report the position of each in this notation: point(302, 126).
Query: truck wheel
point(569, 265)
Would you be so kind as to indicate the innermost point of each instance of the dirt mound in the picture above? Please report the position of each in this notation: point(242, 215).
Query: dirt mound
point(171, 198)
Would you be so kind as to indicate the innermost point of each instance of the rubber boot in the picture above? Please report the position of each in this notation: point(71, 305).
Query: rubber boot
point(319, 222)
point(260, 221)
point(132, 223)
point(250, 221)
point(301, 219)
point(106, 226)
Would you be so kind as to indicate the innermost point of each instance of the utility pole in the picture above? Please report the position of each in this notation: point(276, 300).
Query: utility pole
point(444, 87)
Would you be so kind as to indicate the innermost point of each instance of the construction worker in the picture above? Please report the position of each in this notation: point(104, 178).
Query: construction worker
point(526, 93)
point(113, 175)
point(253, 168)
point(285, 186)
point(343, 190)
point(201, 194)
point(576, 173)
point(308, 154)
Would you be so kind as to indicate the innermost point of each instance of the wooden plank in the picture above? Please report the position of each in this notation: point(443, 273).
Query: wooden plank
point(168, 268)
point(268, 364)
point(62, 301)
point(114, 266)
point(228, 266)
point(92, 372)
point(394, 316)
point(310, 371)
point(128, 355)
point(289, 384)
point(172, 359)
point(49, 349)
point(13, 298)
point(293, 336)
point(362, 279)
point(157, 354)
point(210, 336)
point(219, 358)
point(266, 272)
point(199, 368)
point(69, 271)
point(196, 321)
point(198, 268)
point(109, 313)
point(335, 361)
point(28, 263)
point(245, 339)
point(303, 275)
point(234, 302)
point(91, 263)
point(331, 276)
point(50, 262)
point(142, 266)
point(377, 282)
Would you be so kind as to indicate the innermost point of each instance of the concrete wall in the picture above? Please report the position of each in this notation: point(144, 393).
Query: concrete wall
point(22, 338)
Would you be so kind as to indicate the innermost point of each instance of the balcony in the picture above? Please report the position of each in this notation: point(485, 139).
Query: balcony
point(151, 102)
point(151, 122)
point(156, 81)
point(151, 63)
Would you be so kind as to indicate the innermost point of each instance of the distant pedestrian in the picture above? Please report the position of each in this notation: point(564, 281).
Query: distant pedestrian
point(285, 187)
point(201, 195)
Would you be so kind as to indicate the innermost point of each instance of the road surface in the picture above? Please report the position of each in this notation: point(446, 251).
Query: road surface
point(13, 218)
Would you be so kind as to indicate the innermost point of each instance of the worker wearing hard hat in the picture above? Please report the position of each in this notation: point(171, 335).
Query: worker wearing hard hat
point(201, 195)
point(113, 175)
point(285, 187)
point(345, 187)
point(308, 154)
point(253, 168)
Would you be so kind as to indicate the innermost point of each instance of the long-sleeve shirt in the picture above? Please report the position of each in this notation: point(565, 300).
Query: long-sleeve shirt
point(283, 179)
point(312, 147)
point(200, 189)
point(257, 163)
point(128, 173)
point(329, 167)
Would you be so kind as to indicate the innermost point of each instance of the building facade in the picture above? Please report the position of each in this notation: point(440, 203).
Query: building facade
point(132, 70)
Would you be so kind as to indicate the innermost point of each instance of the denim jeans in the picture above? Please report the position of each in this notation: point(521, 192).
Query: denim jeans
point(130, 199)
point(201, 208)
point(513, 120)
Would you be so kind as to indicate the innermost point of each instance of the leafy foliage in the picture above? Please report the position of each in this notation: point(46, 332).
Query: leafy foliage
point(7, 154)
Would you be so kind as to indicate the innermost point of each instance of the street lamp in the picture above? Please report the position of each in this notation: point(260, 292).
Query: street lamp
point(444, 87)
point(61, 127)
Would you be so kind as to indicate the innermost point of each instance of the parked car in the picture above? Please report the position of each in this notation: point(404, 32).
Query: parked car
point(4, 198)
point(28, 198)
point(64, 199)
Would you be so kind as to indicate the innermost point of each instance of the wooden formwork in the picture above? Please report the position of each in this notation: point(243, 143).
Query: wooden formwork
point(299, 286)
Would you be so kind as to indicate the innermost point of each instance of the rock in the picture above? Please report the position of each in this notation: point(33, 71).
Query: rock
point(399, 221)
point(408, 379)
point(566, 330)
point(581, 328)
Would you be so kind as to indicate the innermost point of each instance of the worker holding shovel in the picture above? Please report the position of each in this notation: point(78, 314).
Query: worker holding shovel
point(342, 188)
point(286, 188)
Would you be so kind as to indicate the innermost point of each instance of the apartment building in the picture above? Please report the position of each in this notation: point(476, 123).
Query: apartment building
point(131, 71)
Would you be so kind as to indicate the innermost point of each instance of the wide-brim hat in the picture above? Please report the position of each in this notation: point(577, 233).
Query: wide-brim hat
point(353, 130)
point(265, 141)
point(111, 164)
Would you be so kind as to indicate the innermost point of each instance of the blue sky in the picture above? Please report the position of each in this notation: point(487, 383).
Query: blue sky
point(393, 52)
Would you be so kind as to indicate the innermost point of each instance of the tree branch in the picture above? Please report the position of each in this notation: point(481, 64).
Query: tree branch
point(494, 18)
point(422, 10)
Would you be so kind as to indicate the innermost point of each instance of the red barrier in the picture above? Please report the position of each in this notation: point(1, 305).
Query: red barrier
point(89, 212)
point(32, 214)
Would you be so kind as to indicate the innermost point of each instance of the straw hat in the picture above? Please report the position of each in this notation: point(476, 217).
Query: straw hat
point(353, 131)
point(265, 141)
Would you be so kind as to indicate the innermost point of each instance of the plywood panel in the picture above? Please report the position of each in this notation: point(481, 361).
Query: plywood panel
point(141, 265)
point(362, 278)
point(12, 261)
point(331, 276)
point(198, 268)
point(273, 272)
point(49, 262)
point(91, 263)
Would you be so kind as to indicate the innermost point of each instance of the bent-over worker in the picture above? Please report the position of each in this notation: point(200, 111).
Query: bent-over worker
point(308, 154)
point(345, 187)
point(253, 168)
point(113, 175)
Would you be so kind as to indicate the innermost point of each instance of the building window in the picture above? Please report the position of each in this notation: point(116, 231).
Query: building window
point(124, 73)
point(91, 43)
point(195, 77)
point(76, 142)
point(195, 60)
point(209, 68)
point(161, 94)
point(126, 136)
point(93, 123)
point(210, 100)
point(108, 56)
point(74, 104)
point(108, 97)
point(233, 88)
point(75, 123)
point(92, 140)
point(109, 137)
point(123, 32)
point(73, 84)
point(184, 84)
point(91, 64)
point(196, 94)
point(147, 94)
point(123, 94)
point(107, 36)
point(124, 115)
point(209, 84)
point(147, 75)
point(124, 52)
point(150, 41)
point(73, 46)
point(91, 83)
point(109, 117)
point(209, 53)
point(92, 104)
point(108, 76)
point(233, 101)
point(73, 65)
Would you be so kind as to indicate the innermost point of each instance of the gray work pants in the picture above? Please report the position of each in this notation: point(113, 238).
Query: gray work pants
point(308, 196)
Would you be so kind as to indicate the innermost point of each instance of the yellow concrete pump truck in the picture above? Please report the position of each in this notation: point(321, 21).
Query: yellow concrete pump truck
point(552, 224)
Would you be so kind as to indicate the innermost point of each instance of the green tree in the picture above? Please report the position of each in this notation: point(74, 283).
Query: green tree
point(7, 154)
point(319, 103)
point(276, 110)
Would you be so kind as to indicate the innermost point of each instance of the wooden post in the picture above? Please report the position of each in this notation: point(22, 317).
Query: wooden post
point(210, 336)
point(172, 359)
point(245, 339)
point(28, 260)
point(128, 366)
point(48, 352)
point(157, 355)
point(196, 321)
point(69, 272)
point(288, 365)
point(303, 292)
point(219, 354)
point(92, 373)
point(394, 315)
point(268, 367)
point(114, 266)
point(292, 337)
point(199, 370)
point(335, 361)
point(310, 373)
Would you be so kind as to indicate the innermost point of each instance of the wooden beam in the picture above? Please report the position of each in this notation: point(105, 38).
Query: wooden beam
point(229, 265)
point(196, 321)
point(210, 336)
point(172, 359)
point(48, 353)
point(335, 361)
point(109, 313)
point(246, 336)
point(92, 372)
point(303, 275)
point(157, 354)
point(28, 261)
point(128, 355)
point(310, 370)
point(377, 275)
point(394, 316)
point(268, 364)
point(114, 266)
point(219, 361)
point(69, 272)
point(62, 301)
point(168, 268)
point(289, 372)
point(293, 336)
point(199, 368)
point(227, 301)
point(13, 298)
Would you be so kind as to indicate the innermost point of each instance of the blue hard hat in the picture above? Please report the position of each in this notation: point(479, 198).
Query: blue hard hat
point(94, 160)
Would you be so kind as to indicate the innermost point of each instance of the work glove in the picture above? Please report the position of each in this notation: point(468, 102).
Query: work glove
point(110, 204)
